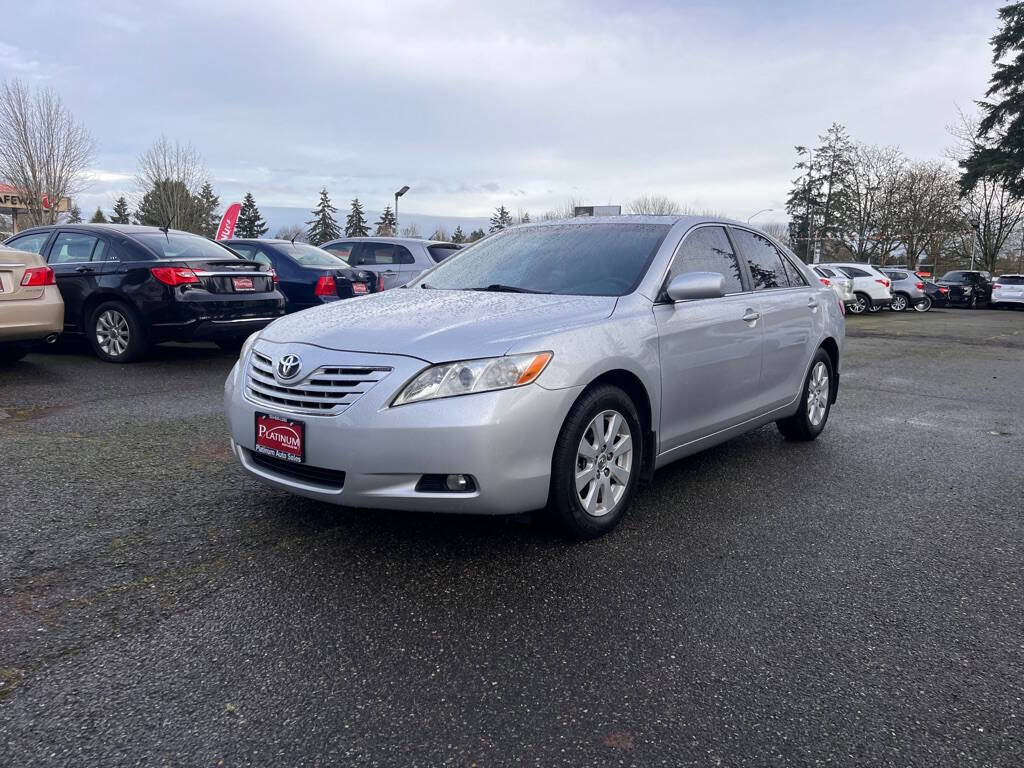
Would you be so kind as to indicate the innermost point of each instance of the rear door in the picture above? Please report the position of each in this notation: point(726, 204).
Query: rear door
point(710, 348)
point(77, 261)
point(388, 261)
point(790, 312)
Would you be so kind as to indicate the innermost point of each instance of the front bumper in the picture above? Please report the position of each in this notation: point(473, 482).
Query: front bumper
point(504, 440)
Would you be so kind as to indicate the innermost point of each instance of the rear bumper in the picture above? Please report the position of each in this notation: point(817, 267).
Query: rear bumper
point(32, 319)
point(216, 317)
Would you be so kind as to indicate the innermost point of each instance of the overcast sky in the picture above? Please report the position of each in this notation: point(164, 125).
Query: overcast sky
point(476, 104)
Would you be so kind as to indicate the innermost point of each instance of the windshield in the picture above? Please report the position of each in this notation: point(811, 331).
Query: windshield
point(311, 256)
point(570, 259)
point(181, 245)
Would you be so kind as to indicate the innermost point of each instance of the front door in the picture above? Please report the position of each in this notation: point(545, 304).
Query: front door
point(790, 314)
point(710, 348)
point(385, 260)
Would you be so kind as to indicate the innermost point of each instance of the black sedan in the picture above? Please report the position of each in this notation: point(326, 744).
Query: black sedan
point(967, 288)
point(937, 294)
point(126, 287)
point(308, 276)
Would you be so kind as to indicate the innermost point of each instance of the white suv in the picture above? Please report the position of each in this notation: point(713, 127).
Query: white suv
point(871, 289)
point(1007, 290)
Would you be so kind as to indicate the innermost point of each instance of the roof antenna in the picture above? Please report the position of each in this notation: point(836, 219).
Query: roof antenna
point(165, 229)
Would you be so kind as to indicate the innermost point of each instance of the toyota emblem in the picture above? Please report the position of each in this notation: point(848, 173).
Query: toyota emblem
point(288, 366)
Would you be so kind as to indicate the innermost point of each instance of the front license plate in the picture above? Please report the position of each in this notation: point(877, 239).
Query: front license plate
point(280, 438)
point(243, 284)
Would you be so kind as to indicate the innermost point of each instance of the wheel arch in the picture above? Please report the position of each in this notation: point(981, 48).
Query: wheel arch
point(831, 347)
point(631, 384)
point(100, 296)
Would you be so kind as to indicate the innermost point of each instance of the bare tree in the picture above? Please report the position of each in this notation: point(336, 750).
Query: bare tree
point(168, 180)
point(44, 151)
point(440, 234)
point(989, 213)
point(293, 232)
point(410, 230)
point(654, 205)
point(927, 209)
point(778, 230)
point(873, 187)
point(566, 211)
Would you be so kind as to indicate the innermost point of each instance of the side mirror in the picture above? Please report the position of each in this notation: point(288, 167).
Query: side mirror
point(696, 285)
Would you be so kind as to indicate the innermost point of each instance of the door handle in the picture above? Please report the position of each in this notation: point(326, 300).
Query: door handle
point(83, 270)
point(389, 273)
point(812, 303)
point(751, 316)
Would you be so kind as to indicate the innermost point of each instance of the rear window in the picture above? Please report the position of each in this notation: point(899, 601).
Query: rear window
point(960, 277)
point(180, 245)
point(1010, 280)
point(896, 275)
point(854, 272)
point(441, 252)
point(311, 256)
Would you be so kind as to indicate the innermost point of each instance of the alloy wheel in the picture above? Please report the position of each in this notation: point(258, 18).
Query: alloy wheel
point(860, 306)
point(817, 394)
point(898, 303)
point(923, 305)
point(604, 462)
point(112, 333)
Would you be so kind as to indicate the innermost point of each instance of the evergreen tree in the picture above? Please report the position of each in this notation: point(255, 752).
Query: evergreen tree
point(169, 204)
point(458, 236)
point(386, 224)
point(209, 214)
point(323, 227)
point(75, 216)
point(475, 235)
point(250, 223)
point(121, 214)
point(999, 149)
point(501, 219)
point(355, 224)
point(98, 217)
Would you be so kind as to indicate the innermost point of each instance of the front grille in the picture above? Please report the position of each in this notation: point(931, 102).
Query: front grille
point(328, 389)
point(327, 477)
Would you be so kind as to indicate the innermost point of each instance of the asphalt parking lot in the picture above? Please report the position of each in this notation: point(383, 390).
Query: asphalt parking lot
point(858, 600)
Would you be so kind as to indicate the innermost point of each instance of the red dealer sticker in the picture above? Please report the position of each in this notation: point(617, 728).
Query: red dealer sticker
point(280, 438)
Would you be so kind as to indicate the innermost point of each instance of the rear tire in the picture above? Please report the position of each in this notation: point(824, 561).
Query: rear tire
point(923, 305)
point(900, 302)
point(116, 333)
point(860, 304)
point(12, 353)
point(874, 307)
point(596, 463)
point(815, 402)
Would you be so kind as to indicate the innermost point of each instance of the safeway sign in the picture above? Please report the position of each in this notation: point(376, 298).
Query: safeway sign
point(14, 200)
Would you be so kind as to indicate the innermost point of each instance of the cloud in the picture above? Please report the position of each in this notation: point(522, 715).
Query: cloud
point(474, 104)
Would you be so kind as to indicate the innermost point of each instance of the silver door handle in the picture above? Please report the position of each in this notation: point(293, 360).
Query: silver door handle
point(751, 316)
point(812, 303)
point(389, 273)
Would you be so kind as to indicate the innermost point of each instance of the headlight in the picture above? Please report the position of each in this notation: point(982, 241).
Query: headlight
point(247, 345)
point(467, 376)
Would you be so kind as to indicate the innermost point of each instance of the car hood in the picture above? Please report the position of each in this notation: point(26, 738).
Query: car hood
point(437, 325)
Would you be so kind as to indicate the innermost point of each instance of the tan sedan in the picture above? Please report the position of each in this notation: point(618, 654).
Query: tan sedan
point(31, 308)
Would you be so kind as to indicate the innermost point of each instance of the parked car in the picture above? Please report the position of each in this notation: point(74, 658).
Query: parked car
point(31, 309)
point(838, 282)
point(1007, 291)
point(126, 287)
point(938, 296)
point(969, 288)
point(551, 364)
point(870, 287)
point(308, 276)
point(907, 291)
point(396, 259)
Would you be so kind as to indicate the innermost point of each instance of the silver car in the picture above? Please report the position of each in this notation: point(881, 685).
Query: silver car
point(838, 282)
point(907, 291)
point(553, 365)
point(396, 260)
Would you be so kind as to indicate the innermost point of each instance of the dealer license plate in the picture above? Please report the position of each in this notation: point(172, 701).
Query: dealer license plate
point(280, 438)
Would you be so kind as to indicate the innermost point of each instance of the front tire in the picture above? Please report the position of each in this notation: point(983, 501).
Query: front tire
point(860, 304)
point(116, 334)
point(596, 463)
point(815, 402)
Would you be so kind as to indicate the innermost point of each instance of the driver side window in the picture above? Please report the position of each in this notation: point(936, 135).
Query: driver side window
point(707, 249)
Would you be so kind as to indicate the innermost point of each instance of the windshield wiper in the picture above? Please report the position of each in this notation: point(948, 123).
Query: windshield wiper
point(501, 288)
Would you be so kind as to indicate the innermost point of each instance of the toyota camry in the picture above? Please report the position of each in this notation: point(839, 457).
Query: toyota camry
point(550, 366)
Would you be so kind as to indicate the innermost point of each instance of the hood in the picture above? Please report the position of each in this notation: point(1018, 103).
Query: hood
point(437, 325)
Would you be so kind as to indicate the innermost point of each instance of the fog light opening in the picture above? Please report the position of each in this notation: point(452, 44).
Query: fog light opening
point(453, 483)
point(459, 483)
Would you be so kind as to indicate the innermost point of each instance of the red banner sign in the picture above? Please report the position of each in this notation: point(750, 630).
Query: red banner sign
point(227, 224)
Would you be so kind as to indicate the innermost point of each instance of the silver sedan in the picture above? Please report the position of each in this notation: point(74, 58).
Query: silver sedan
point(548, 366)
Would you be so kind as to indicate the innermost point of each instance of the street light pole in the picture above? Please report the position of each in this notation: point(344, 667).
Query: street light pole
point(398, 194)
point(763, 210)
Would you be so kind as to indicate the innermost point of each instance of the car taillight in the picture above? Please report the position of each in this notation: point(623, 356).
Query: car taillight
point(881, 281)
point(36, 277)
point(996, 285)
point(326, 286)
point(943, 290)
point(824, 281)
point(919, 286)
point(273, 274)
point(380, 282)
point(842, 307)
point(174, 276)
